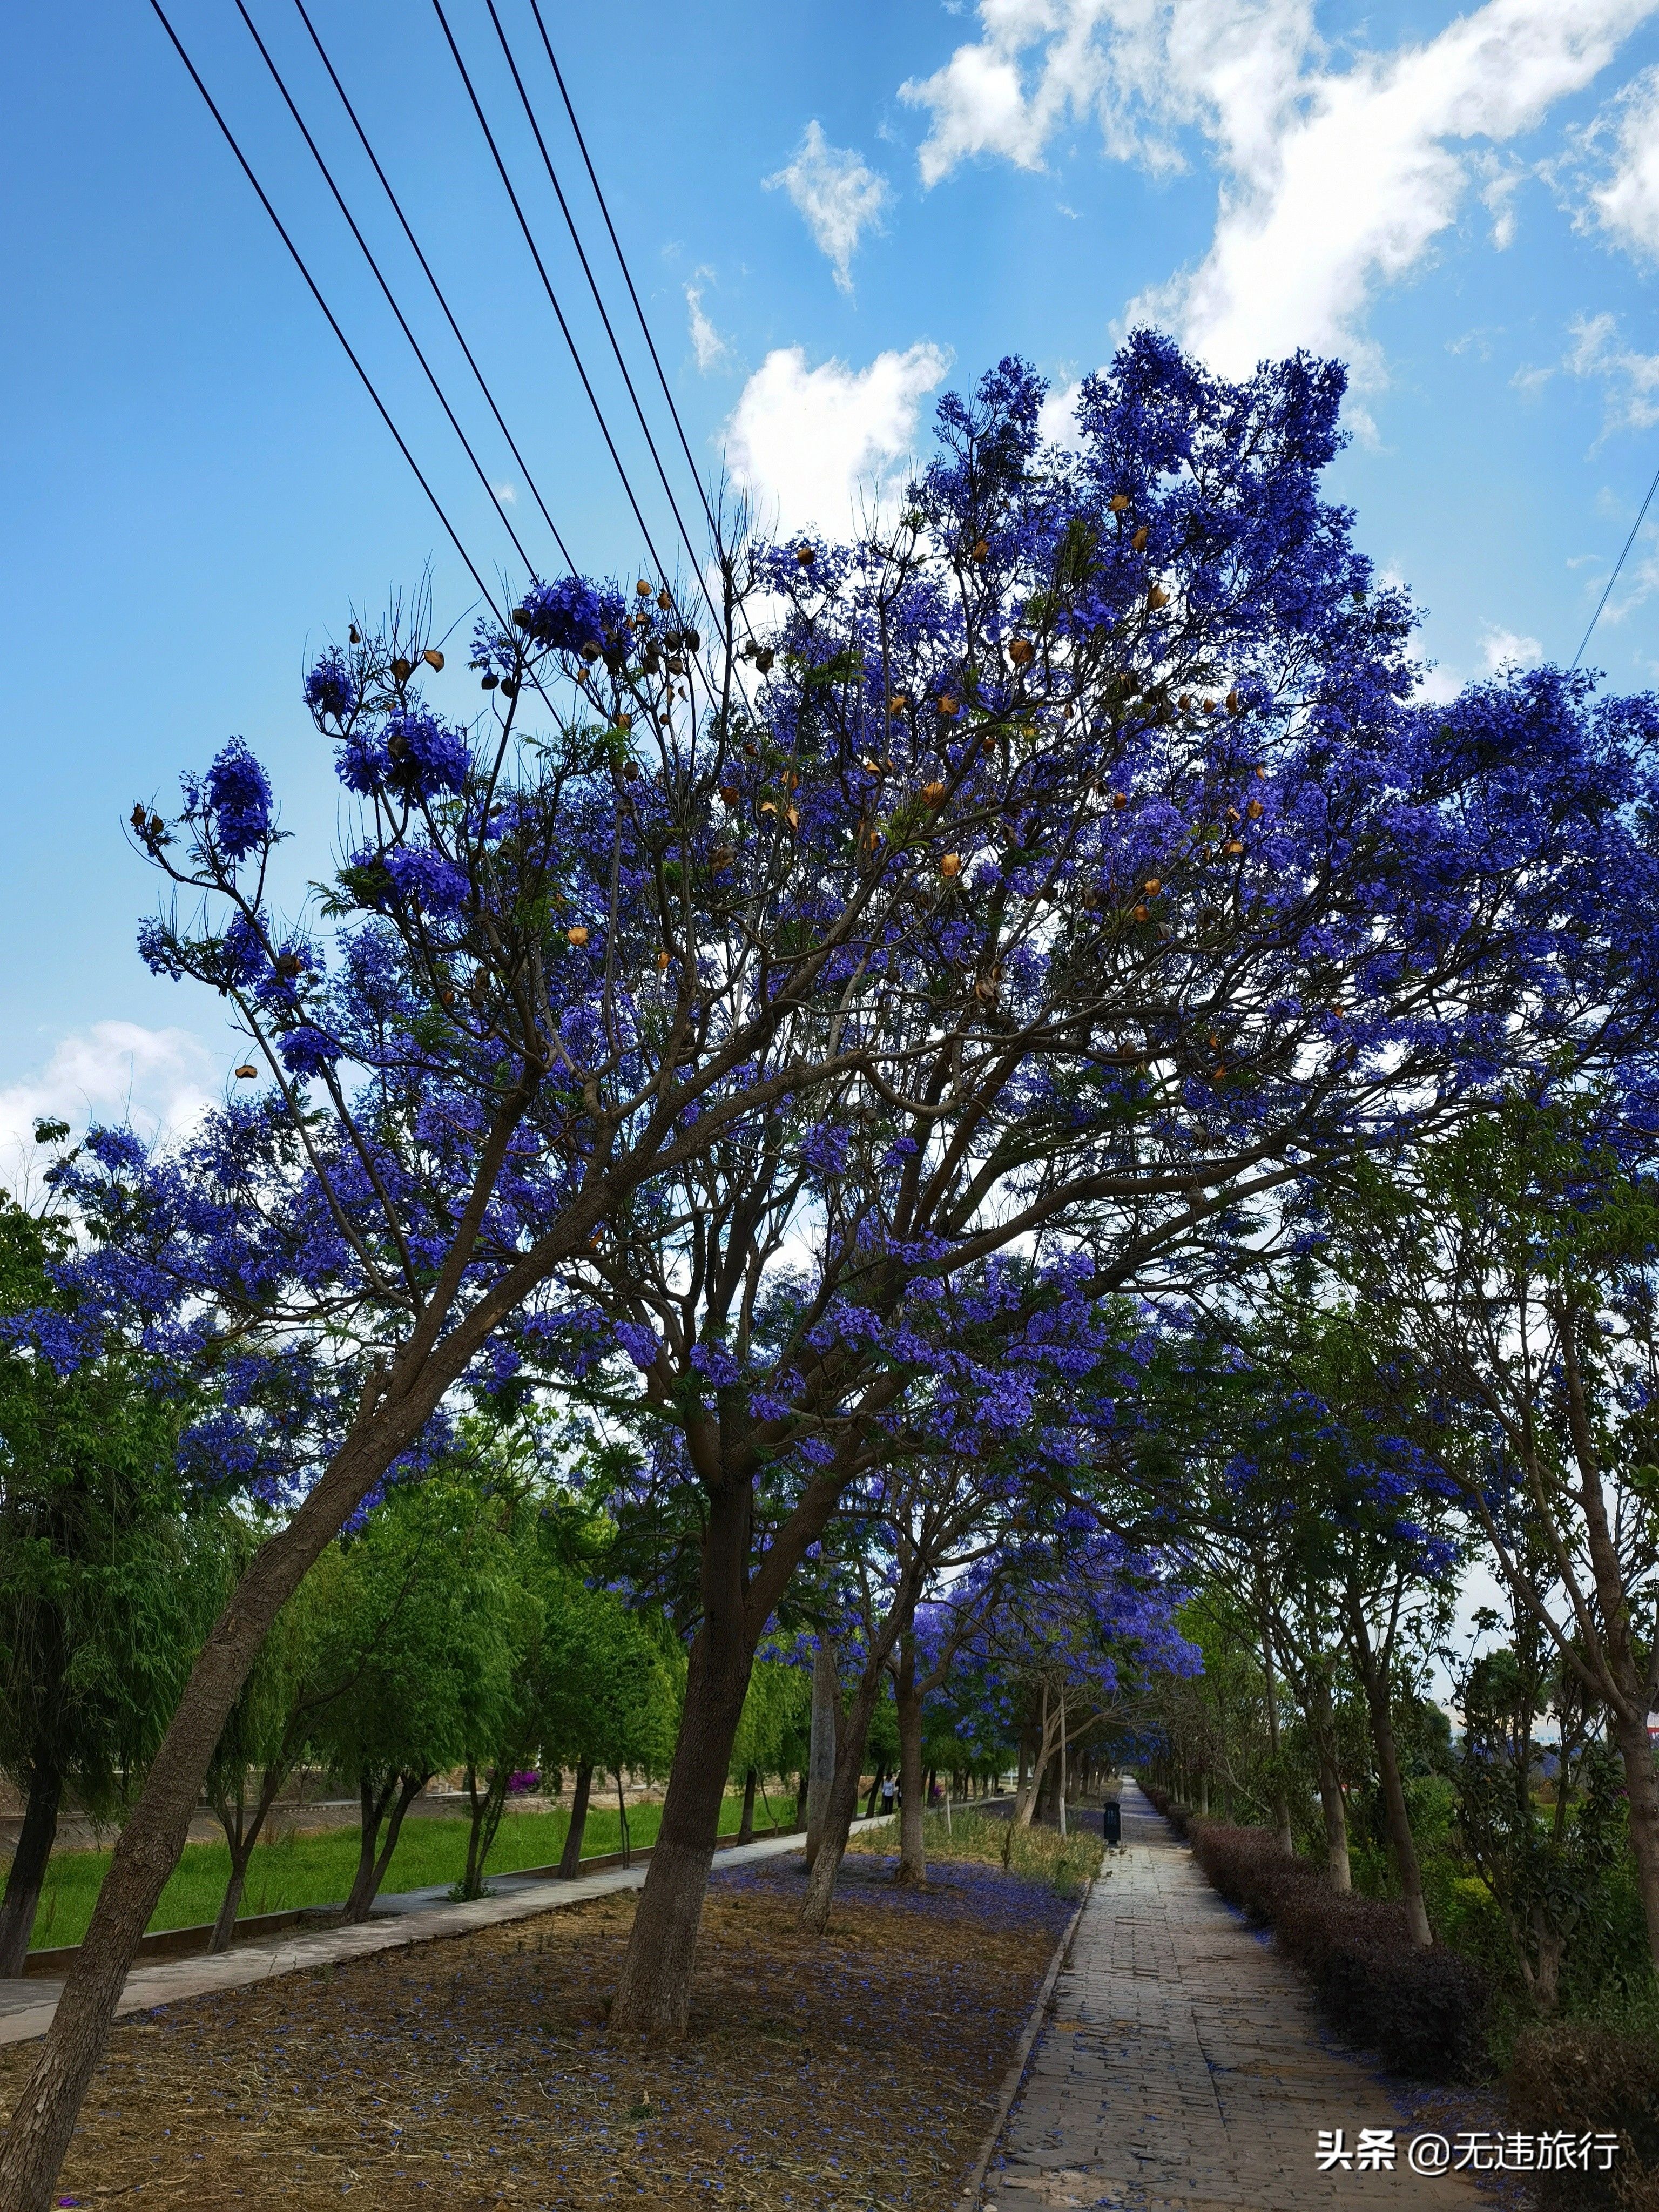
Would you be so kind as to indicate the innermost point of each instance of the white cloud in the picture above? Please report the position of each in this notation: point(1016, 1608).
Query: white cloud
point(1333, 182)
point(839, 197)
point(1507, 648)
point(112, 1071)
point(1621, 148)
point(506, 493)
point(1632, 379)
point(710, 348)
point(810, 443)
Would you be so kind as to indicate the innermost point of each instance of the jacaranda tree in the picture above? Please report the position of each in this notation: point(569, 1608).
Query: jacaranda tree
point(1075, 837)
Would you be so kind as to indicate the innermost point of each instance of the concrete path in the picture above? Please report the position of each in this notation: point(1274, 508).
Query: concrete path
point(1182, 2068)
point(414, 1917)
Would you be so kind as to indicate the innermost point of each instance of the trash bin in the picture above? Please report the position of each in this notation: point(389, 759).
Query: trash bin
point(1112, 1814)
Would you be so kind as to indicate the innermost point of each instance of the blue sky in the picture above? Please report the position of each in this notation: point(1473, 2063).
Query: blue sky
point(831, 212)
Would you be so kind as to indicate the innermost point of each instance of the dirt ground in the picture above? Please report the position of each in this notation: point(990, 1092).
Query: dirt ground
point(852, 2074)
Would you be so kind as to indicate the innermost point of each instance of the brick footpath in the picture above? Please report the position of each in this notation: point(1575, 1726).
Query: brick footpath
point(1182, 2068)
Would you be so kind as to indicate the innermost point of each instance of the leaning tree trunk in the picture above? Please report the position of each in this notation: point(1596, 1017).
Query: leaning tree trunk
point(913, 1852)
point(654, 1996)
point(147, 1848)
point(28, 1872)
point(372, 1865)
point(570, 1858)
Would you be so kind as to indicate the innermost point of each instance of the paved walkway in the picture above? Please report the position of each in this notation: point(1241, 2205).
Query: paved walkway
point(415, 1916)
point(1182, 2068)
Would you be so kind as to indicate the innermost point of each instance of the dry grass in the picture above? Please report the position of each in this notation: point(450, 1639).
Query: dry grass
point(853, 2075)
point(1035, 1854)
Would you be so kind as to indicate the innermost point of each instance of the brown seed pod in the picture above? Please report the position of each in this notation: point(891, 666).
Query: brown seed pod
point(1138, 541)
point(666, 601)
point(1139, 913)
point(1120, 799)
point(951, 865)
point(1234, 844)
point(1158, 597)
point(433, 658)
point(1118, 502)
point(948, 706)
point(1152, 887)
point(643, 588)
point(981, 549)
point(578, 936)
point(932, 794)
point(1232, 703)
point(1256, 809)
point(729, 793)
point(489, 683)
point(1022, 651)
point(806, 555)
point(246, 1074)
point(402, 671)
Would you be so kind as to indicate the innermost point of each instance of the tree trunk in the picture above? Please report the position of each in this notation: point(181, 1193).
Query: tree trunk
point(1642, 1794)
point(27, 1871)
point(746, 1825)
point(803, 1782)
point(1339, 1871)
point(485, 1823)
point(371, 1806)
point(1626, 1676)
point(400, 1794)
point(241, 1834)
point(147, 1850)
point(821, 1761)
point(870, 1801)
point(654, 1996)
point(913, 1852)
point(1374, 1675)
point(570, 1858)
point(622, 1820)
point(843, 1805)
point(1283, 1837)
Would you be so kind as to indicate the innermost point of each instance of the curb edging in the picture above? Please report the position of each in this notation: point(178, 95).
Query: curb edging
point(1014, 2079)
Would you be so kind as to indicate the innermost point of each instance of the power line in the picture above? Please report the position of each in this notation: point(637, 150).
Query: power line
point(581, 255)
point(403, 323)
point(547, 286)
point(622, 259)
point(311, 287)
point(438, 292)
point(1617, 566)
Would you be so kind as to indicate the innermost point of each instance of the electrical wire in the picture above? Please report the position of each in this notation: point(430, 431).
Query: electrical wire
point(581, 255)
point(547, 286)
point(402, 322)
point(437, 290)
point(1617, 566)
point(311, 287)
point(622, 259)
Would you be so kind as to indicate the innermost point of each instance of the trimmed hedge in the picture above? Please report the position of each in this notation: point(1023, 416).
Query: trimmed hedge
point(1577, 2076)
point(1424, 2011)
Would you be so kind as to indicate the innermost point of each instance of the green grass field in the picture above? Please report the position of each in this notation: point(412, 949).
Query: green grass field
point(316, 1869)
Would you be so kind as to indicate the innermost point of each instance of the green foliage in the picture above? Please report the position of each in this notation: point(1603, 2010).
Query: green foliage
point(110, 1577)
point(316, 1869)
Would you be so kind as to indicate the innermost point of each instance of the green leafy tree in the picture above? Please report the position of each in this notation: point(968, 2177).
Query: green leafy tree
point(424, 1631)
point(109, 1576)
